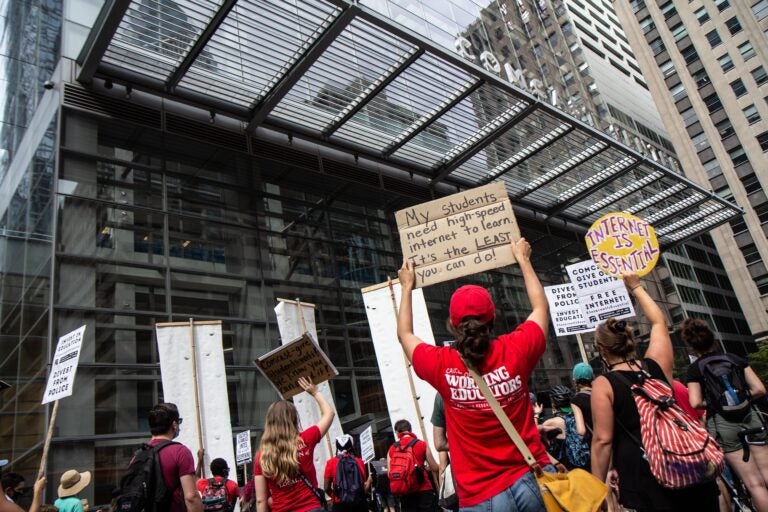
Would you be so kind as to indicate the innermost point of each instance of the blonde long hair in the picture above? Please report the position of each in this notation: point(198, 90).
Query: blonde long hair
point(279, 444)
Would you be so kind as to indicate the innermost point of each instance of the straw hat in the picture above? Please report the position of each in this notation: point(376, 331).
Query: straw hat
point(73, 482)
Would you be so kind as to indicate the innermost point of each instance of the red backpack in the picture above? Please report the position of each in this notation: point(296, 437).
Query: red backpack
point(679, 450)
point(405, 473)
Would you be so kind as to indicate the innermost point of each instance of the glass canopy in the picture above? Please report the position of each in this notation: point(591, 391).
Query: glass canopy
point(343, 74)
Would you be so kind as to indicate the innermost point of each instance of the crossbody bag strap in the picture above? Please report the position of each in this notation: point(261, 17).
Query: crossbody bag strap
point(314, 490)
point(502, 416)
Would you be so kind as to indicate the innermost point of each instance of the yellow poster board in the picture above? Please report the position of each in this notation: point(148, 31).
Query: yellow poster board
point(621, 243)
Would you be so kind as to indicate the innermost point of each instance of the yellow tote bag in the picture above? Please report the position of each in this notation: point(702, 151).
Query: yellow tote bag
point(565, 491)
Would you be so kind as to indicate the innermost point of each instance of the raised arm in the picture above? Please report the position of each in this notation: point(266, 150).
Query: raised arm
point(660, 346)
point(37, 497)
point(326, 412)
point(539, 304)
point(408, 339)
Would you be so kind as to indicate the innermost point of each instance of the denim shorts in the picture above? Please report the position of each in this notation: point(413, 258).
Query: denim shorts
point(522, 496)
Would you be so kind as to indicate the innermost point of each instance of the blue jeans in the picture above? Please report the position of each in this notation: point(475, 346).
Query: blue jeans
point(522, 496)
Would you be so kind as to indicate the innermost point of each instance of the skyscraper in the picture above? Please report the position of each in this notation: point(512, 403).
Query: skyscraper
point(706, 65)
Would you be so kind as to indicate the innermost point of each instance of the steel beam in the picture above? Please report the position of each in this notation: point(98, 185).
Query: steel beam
point(591, 190)
point(420, 124)
point(262, 109)
point(371, 92)
point(525, 157)
point(200, 43)
point(566, 170)
point(99, 38)
point(482, 143)
point(626, 192)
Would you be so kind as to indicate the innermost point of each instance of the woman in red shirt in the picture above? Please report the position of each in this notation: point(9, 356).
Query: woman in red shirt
point(283, 468)
point(490, 473)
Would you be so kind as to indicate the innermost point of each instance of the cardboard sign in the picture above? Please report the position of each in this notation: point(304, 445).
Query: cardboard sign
point(61, 379)
point(459, 235)
point(367, 452)
point(301, 357)
point(600, 296)
point(243, 447)
point(565, 311)
point(622, 243)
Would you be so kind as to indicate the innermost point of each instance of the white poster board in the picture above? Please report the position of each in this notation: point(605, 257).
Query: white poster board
point(565, 311)
point(392, 363)
point(367, 452)
point(174, 347)
point(292, 322)
point(61, 378)
point(600, 296)
point(243, 448)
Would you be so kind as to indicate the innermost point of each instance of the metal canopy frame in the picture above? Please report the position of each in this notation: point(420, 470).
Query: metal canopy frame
point(343, 74)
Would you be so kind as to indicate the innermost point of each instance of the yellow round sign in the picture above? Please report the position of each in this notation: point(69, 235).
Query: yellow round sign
point(621, 243)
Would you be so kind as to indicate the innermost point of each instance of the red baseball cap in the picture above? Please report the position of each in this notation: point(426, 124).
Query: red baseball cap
point(471, 300)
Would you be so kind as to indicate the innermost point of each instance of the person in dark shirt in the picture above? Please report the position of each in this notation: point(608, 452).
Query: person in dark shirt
point(581, 401)
point(724, 427)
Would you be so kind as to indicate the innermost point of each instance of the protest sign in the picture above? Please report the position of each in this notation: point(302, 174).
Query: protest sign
point(565, 311)
point(243, 447)
point(459, 235)
point(61, 378)
point(408, 397)
point(293, 319)
point(195, 379)
point(301, 357)
point(367, 452)
point(622, 243)
point(600, 296)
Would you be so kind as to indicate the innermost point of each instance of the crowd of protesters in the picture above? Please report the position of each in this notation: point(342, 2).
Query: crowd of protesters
point(594, 424)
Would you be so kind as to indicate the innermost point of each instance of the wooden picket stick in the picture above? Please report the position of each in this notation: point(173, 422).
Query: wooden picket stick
point(408, 366)
point(48, 436)
point(197, 396)
point(304, 329)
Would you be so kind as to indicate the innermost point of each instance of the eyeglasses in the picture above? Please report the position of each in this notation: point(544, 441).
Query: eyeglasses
point(179, 420)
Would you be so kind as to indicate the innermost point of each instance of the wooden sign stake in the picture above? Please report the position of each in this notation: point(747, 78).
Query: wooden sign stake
point(195, 390)
point(48, 436)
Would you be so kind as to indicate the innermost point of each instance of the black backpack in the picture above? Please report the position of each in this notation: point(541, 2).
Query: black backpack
point(724, 387)
point(142, 488)
point(348, 484)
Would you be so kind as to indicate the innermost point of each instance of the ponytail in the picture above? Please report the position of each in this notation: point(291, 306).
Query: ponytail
point(473, 339)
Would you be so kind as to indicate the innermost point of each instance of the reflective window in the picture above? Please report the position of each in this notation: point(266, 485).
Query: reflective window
point(759, 75)
point(751, 113)
point(746, 50)
point(726, 63)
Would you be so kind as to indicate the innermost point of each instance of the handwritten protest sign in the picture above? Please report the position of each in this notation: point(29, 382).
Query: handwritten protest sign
point(243, 447)
point(301, 357)
point(459, 235)
point(367, 452)
point(600, 296)
point(565, 311)
point(619, 242)
point(64, 367)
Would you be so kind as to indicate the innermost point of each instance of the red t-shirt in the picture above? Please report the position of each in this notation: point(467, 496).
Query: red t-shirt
point(680, 393)
point(484, 459)
point(233, 491)
point(330, 471)
point(176, 461)
point(294, 495)
point(419, 451)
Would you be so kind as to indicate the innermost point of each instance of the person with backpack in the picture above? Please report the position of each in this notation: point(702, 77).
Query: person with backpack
point(619, 427)
point(569, 447)
point(161, 474)
point(581, 402)
point(219, 493)
point(725, 385)
point(283, 467)
point(384, 498)
point(490, 472)
point(408, 461)
point(345, 478)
